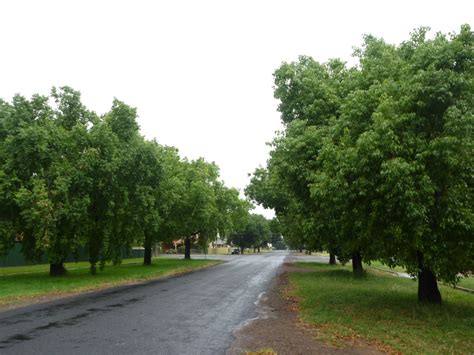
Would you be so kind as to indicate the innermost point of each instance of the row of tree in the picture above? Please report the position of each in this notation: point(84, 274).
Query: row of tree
point(70, 179)
point(257, 232)
point(376, 160)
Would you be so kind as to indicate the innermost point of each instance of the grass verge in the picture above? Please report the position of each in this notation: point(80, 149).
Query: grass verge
point(383, 309)
point(378, 264)
point(467, 282)
point(44, 268)
point(33, 282)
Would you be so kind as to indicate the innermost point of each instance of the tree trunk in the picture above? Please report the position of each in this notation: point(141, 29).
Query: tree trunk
point(427, 286)
point(57, 269)
point(147, 255)
point(357, 264)
point(332, 259)
point(301, 250)
point(187, 248)
point(242, 250)
point(94, 253)
point(93, 268)
point(258, 249)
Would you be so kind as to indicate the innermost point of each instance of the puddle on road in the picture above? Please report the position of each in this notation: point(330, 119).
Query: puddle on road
point(259, 298)
point(18, 337)
point(47, 326)
point(263, 312)
point(14, 339)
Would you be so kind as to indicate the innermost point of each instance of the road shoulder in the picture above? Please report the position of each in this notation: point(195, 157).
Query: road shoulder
point(278, 326)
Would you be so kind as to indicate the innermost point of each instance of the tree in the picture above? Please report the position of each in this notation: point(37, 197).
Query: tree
point(145, 175)
point(285, 185)
point(197, 208)
point(170, 199)
point(276, 237)
point(262, 231)
point(101, 166)
point(376, 161)
point(41, 160)
point(419, 149)
point(252, 233)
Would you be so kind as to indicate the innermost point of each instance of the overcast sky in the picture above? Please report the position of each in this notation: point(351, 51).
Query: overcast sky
point(199, 72)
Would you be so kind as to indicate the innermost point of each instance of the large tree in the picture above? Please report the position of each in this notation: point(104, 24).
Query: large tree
point(415, 160)
point(310, 96)
point(197, 208)
point(376, 161)
point(44, 186)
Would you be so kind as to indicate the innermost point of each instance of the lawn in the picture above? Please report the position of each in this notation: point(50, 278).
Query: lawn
point(44, 268)
point(378, 264)
point(21, 283)
point(383, 309)
point(467, 282)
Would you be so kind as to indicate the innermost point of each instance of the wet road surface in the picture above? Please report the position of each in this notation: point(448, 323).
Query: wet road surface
point(190, 314)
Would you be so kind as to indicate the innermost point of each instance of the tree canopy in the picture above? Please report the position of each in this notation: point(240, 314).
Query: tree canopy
point(376, 161)
point(253, 232)
point(71, 179)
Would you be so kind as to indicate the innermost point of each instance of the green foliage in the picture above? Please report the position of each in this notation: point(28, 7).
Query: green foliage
point(122, 120)
point(255, 232)
point(71, 179)
point(41, 159)
point(378, 159)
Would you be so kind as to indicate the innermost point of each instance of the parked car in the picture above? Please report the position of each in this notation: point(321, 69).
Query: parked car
point(235, 251)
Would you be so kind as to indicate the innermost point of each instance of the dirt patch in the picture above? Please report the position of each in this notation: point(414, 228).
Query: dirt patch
point(291, 267)
point(279, 328)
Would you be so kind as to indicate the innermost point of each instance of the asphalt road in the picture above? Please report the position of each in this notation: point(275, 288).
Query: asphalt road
point(190, 314)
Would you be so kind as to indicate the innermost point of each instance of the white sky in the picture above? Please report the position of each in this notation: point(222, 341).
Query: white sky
point(199, 72)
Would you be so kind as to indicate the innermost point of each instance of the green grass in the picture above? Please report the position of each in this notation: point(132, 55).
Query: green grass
point(44, 268)
point(378, 264)
point(35, 280)
point(383, 309)
point(467, 282)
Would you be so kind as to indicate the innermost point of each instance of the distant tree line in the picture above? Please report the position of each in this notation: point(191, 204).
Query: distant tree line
point(257, 232)
point(376, 161)
point(72, 179)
